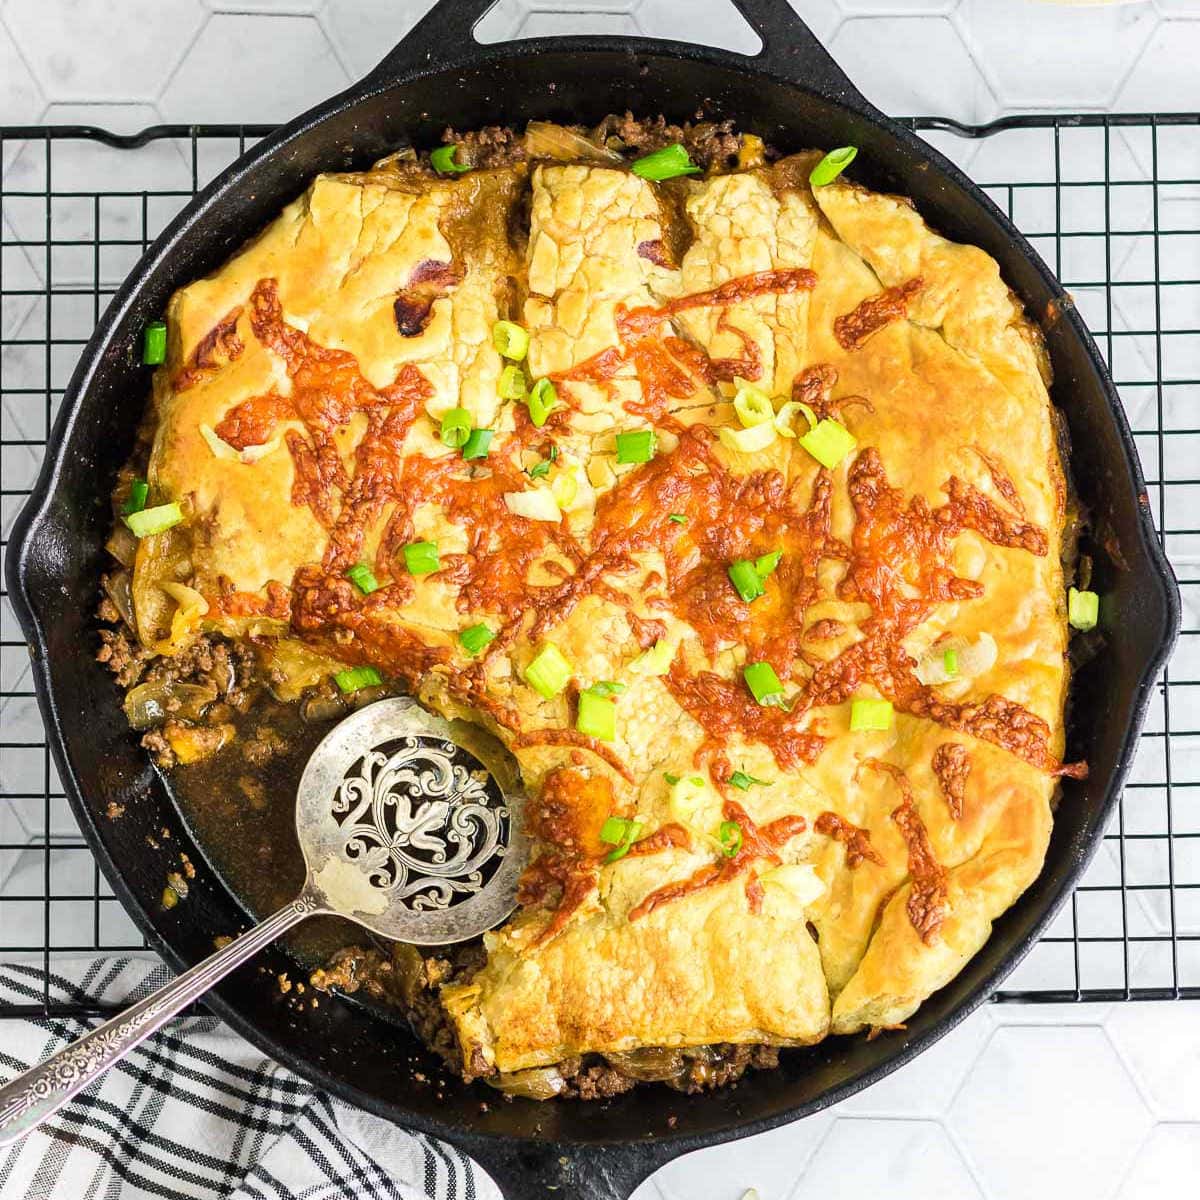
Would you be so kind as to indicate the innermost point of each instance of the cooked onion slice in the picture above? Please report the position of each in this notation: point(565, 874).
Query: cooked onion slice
point(536, 505)
point(545, 139)
point(971, 657)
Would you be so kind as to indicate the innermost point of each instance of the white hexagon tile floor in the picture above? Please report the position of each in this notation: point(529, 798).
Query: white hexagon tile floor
point(1070, 1101)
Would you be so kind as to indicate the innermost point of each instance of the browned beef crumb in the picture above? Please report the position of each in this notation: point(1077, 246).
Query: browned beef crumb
point(124, 655)
point(728, 1063)
point(491, 146)
point(598, 1081)
point(157, 744)
point(264, 746)
point(114, 811)
point(710, 144)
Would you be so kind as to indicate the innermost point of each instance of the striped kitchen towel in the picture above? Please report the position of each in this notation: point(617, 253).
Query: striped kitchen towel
point(196, 1111)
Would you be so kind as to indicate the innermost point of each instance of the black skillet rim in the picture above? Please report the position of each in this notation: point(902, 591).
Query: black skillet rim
point(30, 518)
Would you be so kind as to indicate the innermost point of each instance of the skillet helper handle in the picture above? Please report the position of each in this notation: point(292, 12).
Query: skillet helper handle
point(28, 1100)
point(550, 1171)
point(792, 51)
point(442, 34)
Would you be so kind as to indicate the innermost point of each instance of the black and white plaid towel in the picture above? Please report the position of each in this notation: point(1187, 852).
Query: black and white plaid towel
point(196, 1111)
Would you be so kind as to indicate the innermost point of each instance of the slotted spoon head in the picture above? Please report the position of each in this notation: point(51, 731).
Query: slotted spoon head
point(405, 831)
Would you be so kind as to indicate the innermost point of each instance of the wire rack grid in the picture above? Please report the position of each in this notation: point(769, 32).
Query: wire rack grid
point(1111, 202)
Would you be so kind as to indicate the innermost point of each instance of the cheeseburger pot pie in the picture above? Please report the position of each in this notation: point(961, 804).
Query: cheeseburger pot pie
point(721, 493)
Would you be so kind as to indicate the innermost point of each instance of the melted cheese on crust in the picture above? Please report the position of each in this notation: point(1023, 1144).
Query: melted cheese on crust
point(951, 386)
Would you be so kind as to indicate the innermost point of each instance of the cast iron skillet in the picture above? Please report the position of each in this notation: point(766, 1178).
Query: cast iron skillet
point(793, 95)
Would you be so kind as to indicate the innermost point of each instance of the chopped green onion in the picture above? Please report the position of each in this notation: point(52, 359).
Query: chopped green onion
point(744, 782)
point(474, 638)
point(620, 832)
point(667, 163)
point(542, 469)
point(950, 663)
point(614, 830)
point(829, 442)
point(356, 678)
point(154, 343)
point(870, 714)
point(139, 493)
point(753, 406)
point(761, 679)
point(656, 660)
point(678, 518)
point(476, 446)
point(512, 383)
point(606, 687)
point(421, 558)
point(154, 520)
point(362, 577)
point(456, 427)
point(549, 672)
point(746, 580)
point(597, 716)
point(671, 779)
point(442, 160)
point(767, 563)
point(510, 340)
point(730, 835)
point(542, 399)
point(832, 165)
point(636, 446)
point(1083, 609)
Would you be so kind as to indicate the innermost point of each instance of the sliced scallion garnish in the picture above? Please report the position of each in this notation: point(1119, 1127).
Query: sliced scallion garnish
point(950, 663)
point(832, 165)
point(870, 714)
point(607, 687)
point(510, 340)
point(667, 163)
point(474, 638)
point(730, 836)
point(746, 580)
point(356, 678)
point(139, 493)
point(148, 521)
point(512, 383)
point(744, 782)
point(763, 683)
point(678, 518)
point(477, 443)
point(421, 558)
point(442, 161)
point(456, 428)
point(767, 563)
point(1083, 609)
point(542, 399)
point(154, 343)
point(549, 672)
point(753, 406)
point(671, 778)
point(597, 715)
point(620, 832)
point(636, 446)
point(829, 442)
point(363, 578)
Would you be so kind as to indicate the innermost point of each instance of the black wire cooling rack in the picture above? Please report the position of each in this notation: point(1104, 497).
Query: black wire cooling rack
point(1111, 202)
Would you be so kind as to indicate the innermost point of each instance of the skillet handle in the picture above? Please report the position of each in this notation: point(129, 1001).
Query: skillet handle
point(550, 1171)
point(791, 50)
point(443, 33)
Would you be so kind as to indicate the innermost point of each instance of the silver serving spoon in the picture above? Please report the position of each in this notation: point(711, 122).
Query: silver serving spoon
point(403, 831)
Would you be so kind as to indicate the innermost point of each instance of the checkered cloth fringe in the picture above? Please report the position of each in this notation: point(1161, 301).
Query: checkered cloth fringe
point(196, 1111)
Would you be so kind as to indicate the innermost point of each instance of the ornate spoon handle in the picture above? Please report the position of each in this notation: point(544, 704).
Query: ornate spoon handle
point(25, 1102)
